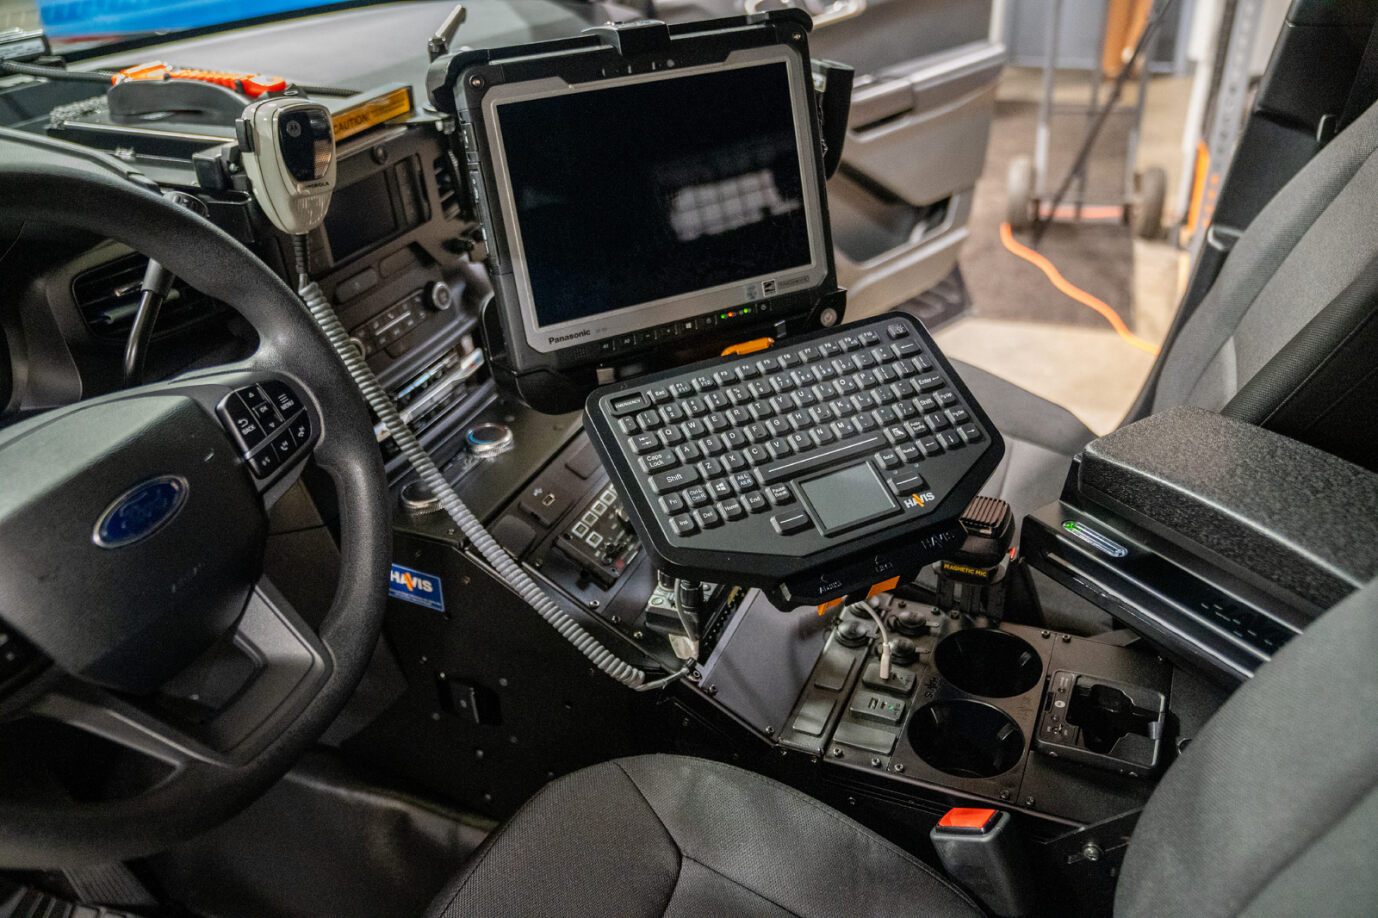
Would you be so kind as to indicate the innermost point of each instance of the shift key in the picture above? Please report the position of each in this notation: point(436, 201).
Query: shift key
point(674, 480)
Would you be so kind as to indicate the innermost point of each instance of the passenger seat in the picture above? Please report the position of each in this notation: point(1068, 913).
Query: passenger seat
point(1285, 338)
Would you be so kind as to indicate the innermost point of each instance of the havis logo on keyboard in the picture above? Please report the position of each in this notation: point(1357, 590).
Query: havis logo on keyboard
point(918, 501)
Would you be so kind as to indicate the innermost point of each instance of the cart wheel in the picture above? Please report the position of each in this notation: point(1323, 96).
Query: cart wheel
point(1148, 203)
point(1019, 190)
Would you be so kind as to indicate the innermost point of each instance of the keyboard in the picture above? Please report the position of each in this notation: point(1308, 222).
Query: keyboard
point(830, 457)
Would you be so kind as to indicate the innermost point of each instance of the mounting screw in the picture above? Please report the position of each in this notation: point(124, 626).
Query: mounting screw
point(1029, 801)
point(476, 82)
point(784, 751)
point(638, 635)
point(1066, 639)
point(954, 615)
point(770, 731)
point(1091, 851)
point(837, 752)
point(502, 681)
point(875, 761)
point(593, 603)
point(1005, 794)
point(1045, 634)
point(712, 690)
point(899, 767)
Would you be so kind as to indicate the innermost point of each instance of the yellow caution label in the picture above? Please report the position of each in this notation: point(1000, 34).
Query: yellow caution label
point(964, 569)
point(364, 115)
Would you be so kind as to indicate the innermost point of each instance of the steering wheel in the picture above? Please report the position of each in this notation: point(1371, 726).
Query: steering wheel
point(132, 536)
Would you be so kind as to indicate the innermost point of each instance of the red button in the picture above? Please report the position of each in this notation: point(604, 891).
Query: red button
point(967, 818)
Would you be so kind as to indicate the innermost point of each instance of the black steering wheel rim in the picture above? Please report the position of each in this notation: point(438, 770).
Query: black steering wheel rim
point(199, 797)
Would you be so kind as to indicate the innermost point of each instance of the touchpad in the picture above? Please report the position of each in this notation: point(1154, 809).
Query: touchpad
point(847, 498)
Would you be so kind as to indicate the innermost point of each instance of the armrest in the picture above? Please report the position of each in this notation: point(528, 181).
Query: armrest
point(1277, 512)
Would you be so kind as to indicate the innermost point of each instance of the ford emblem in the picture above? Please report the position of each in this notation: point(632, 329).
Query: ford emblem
point(141, 511)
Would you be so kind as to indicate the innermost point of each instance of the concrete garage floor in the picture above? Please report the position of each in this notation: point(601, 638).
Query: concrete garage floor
point(1019, 327)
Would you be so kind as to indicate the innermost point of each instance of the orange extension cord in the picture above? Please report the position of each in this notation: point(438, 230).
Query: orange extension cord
point(1076, 293)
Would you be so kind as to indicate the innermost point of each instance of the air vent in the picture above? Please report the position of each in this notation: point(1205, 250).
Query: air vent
point(108, 296)
point(447, 186)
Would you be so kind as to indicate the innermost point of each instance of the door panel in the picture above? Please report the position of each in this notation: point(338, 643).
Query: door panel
point(922, 105)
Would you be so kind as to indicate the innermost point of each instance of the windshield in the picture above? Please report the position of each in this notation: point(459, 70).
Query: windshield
point(74, 25)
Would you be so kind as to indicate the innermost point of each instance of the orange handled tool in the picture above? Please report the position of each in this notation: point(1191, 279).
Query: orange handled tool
point(252, 85)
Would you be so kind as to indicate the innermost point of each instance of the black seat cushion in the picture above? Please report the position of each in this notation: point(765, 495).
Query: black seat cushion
point(667, 835)
point(1040, 440)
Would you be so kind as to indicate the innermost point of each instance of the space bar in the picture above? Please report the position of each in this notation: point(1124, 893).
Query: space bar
point(828, 455)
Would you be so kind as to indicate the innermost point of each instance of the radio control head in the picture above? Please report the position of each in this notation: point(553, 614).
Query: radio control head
point(288, 148)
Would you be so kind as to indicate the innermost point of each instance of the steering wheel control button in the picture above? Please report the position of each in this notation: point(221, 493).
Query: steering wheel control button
point(265, 462)
point(300, 429)
point(246, 428)
point(282, 445)
point(282, 397)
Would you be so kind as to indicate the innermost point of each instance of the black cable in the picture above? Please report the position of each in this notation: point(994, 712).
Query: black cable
point(57, 73)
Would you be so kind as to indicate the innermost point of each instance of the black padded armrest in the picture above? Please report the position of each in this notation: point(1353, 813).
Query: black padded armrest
point(1283, 514)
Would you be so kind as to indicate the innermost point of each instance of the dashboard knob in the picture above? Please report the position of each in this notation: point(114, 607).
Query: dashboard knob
point(912, 622)
point(903, 650)
point(852, 633)
point(488, 439)
point(417, 498)
point(440, 296)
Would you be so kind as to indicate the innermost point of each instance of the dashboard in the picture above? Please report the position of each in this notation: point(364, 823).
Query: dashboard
point(393, 255)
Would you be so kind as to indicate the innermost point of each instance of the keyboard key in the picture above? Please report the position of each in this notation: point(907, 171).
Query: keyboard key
point(906, 481)
point(681, 389)
point(757, 433)
point(707, 517)
point(768, 365)
point(778, 427)
point(800, 441)
point(711, 468)
point(738, 395)
point(696, 496)
point(779, 495)
point(804, 398)
point(716, 422)
point(754, 501)
point(779, 448)
point(930, 447)
point(762, 410)
point(716, 401)
point(869, 338)
point(849, 342)
point(743, 482)
point(925, 404)
point(711, 445)
point(929, 382)
point(970, 433)
point(673, 480)
point(759, 388)
point(694, 428)
point(739, 417)
point(732, 509)
point(734, 439)
point(865, 423)
point(628, 404)
point(843, 428)
point(909, 452)
point(896, 330)
point(904, 410)
point(747, 371)
point(649, 420)
point(949, 439)
point(896, 434)
point(672, 503)
point(946, 398)
point(788, 361)
point(628, 425)
point(863, 360)
point(905, 349)
point(670, 436)
point(659, 395)
point(720, 489)
point(822, 436)
point(829, 350)
point(819, 458)
point(688, 452)
point(643, 443)
point(683, 525)
point(724, 377)
point(809, 354)
point(659, 462)
point(888, 459)
point(733, 461)
point(704, 384)
point(782, 383)
point(695, 407)
point(957, 415)
point(790, 522)
point(756, 455)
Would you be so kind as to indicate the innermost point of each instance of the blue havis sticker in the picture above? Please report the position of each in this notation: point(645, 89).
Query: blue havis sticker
point(413, 586)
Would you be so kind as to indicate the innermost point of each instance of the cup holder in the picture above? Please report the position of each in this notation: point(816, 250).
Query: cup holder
point(992, 664)
point(967, 739)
